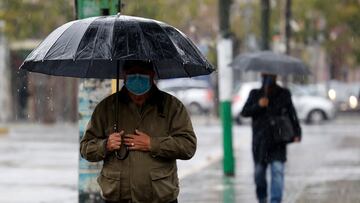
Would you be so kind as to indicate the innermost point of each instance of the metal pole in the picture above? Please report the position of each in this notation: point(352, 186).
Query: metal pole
point(89, 171)
point(287, 36)
point(116, 129)
point(224, 53)
point(265, 20)
point(287, 26)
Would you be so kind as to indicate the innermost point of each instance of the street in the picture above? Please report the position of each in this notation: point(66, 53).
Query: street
point(40, 164)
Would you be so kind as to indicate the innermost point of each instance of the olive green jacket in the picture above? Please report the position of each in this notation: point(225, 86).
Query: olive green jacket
point(142, 176)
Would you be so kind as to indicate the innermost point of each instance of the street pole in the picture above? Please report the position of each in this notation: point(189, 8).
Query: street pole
point(287, 26)
point(225, 55)
point(265, 20)
point(90, 93)
point(287, 36)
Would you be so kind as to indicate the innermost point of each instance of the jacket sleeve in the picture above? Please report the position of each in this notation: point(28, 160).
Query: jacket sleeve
point(251, 107)
point(293, 116)
point(93, 143)
point(181, 142)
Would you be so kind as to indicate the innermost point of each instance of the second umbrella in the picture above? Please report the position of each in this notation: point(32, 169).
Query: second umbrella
point(271, 63)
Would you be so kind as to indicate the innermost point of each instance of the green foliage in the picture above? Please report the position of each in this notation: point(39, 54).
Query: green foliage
point(174, 12)
point(26, 19)
point(196, 18)
point(342, 28)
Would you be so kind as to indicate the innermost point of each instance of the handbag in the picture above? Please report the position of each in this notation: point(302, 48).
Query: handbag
point(283, 130)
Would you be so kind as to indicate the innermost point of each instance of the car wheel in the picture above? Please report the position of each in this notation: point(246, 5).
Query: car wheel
point(195, 109)
point(316, 117)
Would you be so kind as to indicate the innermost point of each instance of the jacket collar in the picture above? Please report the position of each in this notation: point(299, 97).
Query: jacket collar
point(156, 97)
point(274, 90)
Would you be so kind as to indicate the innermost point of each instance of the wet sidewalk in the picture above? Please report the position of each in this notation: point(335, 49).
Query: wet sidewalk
point(323, 168)
point(40, 164)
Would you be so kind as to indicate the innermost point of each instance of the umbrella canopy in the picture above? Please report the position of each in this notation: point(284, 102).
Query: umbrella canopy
point(271, 63)
point(95, 47)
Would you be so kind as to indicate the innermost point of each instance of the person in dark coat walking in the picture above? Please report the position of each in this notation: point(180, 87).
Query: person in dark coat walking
point(262, 106)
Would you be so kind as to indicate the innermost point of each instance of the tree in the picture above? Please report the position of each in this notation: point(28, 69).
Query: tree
point(35, 19)
point(335, 24)
point(195, 18)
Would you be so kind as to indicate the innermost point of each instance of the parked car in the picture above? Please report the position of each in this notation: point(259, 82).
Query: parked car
point(310, 108)
point(345, 96)
point(196, 95)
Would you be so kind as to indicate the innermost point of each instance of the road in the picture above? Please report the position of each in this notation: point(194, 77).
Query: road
point(40, 164)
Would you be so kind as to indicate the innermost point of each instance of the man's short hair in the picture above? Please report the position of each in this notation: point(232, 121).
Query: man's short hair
point(148, 65)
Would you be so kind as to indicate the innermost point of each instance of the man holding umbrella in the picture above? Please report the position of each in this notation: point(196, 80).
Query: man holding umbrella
point(139, 132)
point(156, 129)
point(274, 119)
point(264, 106)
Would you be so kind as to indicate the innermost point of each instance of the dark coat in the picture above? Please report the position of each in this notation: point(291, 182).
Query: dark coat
point(264, 149)
point(143, 176)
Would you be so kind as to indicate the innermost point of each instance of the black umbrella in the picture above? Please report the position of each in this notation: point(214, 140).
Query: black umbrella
point(270, 62)
point(97, 48)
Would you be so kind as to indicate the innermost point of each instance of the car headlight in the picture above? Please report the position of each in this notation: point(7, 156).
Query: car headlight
point(353, 102)
point(332, 94)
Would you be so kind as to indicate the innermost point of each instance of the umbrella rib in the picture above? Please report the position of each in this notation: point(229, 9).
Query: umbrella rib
point(112, 39)
point(57, 40)
point(142, 33)
point(156, 69)
point(82, 37)
point(172, 42)
point(93, 50)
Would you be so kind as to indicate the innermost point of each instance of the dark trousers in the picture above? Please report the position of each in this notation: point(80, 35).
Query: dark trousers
point(129, 201)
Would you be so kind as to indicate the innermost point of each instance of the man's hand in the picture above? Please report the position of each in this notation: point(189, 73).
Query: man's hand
point(139, 141)
point(297, 139)
point(263, 102)
point(114, 141)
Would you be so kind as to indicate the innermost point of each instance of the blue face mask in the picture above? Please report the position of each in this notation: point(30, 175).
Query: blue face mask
point(138, 84)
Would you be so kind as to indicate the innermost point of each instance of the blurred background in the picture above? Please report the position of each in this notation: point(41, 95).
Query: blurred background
point(328, 43)
point(39, 113)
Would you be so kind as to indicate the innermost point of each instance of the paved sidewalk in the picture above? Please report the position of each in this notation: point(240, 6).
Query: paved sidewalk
point(324, 168)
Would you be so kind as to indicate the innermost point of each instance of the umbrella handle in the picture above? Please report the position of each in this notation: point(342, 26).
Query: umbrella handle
point(266, 90)
point(123, 152)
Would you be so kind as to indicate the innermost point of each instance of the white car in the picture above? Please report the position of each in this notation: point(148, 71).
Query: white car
point(196, 95)
point(310, 108)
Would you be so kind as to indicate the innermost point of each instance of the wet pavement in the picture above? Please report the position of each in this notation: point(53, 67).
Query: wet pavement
point(324, 167)
point(40, 164)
